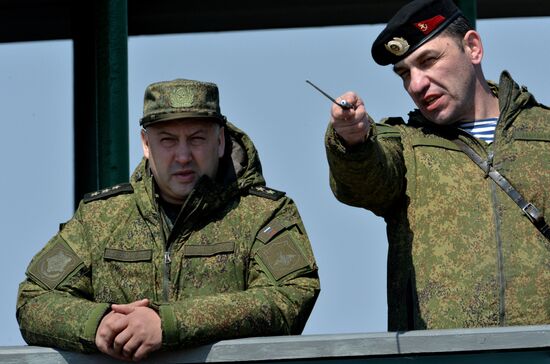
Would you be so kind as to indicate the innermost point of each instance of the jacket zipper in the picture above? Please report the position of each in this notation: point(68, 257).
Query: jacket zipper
point(166, 278)
point(167, 260)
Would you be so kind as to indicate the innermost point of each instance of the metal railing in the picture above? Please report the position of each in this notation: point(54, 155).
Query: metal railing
point(521, 344)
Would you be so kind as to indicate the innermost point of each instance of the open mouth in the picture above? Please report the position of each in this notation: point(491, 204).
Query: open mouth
point(431, 102)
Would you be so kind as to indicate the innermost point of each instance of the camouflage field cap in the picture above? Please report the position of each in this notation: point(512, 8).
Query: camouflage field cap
point(413, 25)
point(181, 99)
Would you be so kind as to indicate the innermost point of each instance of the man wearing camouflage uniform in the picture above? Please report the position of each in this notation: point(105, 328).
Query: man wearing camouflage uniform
point(193, 250)
point(462, 253)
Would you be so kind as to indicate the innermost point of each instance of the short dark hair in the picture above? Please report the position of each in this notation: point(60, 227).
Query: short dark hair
point(458, 28)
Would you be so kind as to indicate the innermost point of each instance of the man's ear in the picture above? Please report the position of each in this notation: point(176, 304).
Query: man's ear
point(221, 142)
point(473, 45)
point(145, 143)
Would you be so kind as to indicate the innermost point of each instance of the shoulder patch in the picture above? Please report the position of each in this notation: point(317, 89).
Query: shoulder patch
point(54, 265)
point(282, 257)
point(108, 192)
point(266, 192)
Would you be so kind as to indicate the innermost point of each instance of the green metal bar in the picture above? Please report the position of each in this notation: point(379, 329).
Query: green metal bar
point(112, 88)
point(85, 100)
point(100, 48)
point(469, 9)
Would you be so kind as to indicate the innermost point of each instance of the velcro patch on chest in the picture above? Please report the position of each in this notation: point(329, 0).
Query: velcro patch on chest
point(282, 257)
point(208, 250)
point(128, 255)
point(54, 265)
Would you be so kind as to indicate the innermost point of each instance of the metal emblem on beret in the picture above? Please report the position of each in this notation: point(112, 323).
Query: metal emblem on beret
point(397, 46)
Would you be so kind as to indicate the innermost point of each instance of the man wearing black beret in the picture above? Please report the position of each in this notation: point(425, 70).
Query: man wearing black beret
point(462, 184)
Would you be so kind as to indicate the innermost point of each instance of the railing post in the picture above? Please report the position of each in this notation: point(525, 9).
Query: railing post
point(101, 150)
point(112, 86)
point(469, 9)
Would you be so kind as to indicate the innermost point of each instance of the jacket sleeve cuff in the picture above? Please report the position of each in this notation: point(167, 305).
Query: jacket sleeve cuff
point(92, 323)
point(170, 332)
point(337, 147)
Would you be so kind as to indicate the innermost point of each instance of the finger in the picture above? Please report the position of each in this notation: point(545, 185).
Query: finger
point(110, 326)
point(123, 309)
point(341, 115)
point(120, 342)
point(350, 98)
point(142, 352)
point(144, 302)
point(130, 307)
point(129, 349)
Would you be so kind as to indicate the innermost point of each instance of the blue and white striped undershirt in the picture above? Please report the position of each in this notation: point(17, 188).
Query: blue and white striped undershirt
point(483, 129)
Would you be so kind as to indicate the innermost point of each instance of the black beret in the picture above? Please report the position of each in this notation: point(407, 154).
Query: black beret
point(413, 25)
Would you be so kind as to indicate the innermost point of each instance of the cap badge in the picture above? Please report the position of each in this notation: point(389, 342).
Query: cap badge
point(397, 46)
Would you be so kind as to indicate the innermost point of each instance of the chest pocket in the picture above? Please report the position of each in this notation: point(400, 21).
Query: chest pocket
point(440, 179)
point(440, 166)
point(210, 268)
point(126, 276)
point(528, 164)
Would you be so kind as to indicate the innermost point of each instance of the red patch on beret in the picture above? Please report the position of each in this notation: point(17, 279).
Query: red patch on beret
point(428, 25)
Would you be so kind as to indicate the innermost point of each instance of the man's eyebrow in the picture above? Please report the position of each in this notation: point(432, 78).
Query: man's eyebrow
point(398, 69)
point(419, 54)
point(200, 130)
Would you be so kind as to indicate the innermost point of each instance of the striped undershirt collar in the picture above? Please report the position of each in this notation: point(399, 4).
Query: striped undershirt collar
point(483, 129)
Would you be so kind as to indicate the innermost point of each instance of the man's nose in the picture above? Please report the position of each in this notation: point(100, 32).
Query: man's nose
point(183, 153)
point(419, 82)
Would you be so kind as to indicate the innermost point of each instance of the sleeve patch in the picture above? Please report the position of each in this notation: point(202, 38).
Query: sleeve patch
point(266, 192)
point(54, 265)
point(108, 192)
point(282, 257)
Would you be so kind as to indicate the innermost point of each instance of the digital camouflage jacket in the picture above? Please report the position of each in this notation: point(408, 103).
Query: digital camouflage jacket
point(461, 252)
point(236, 263)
